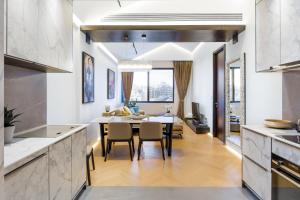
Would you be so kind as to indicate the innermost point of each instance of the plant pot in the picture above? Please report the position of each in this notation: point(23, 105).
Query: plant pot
point(9, 134)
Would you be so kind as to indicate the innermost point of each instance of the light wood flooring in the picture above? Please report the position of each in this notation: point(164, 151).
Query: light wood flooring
point(197, 161)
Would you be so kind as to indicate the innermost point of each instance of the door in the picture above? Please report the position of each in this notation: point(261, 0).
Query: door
point(219, 93)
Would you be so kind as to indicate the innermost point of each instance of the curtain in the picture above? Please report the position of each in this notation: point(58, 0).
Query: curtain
point(127, 80)
point(182, 70)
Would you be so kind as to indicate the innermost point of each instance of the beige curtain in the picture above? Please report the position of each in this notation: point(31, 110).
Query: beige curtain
point(182, 70)
point(127, 80)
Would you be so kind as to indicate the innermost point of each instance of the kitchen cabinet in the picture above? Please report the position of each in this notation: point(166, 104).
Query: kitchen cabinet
point(41, 31)
point(256, 152)
point(22, 29)
point(78, 161)
point(55, 27)
point(267, 34)
point(257, 147)
point(29, 182)
point(290, 31)
point(257, 178)
point(60, 170)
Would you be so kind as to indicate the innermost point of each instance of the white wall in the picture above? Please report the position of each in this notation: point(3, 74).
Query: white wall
point(64, 90)
point(263, 90)
point(203, 79)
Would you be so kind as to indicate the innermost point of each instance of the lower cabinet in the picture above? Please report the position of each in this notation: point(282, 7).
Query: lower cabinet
point(29, 182)
point(257, 178)
point(78, 161)
point(256, 151)
point(60, 170)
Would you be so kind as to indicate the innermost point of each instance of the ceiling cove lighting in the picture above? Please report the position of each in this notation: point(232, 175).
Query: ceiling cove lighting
point(197, 48)
point(77, 21)
point(141, 57)
point(132, 66)
point(107, 52)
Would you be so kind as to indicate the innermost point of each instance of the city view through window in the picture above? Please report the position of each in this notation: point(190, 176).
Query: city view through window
point(154, 86)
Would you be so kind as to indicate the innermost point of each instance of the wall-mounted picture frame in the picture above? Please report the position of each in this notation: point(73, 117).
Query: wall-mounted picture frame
point(111, 84)
point(88, 78)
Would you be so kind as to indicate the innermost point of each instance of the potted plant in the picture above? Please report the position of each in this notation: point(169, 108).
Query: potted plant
point(9, 124)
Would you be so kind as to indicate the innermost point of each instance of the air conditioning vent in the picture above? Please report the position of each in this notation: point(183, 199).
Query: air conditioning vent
point(171, 17)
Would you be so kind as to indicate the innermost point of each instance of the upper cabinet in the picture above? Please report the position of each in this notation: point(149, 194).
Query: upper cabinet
point(267, 34)
point(40, 32)
point(290, 31)
point(277, 34)
point(22, 29)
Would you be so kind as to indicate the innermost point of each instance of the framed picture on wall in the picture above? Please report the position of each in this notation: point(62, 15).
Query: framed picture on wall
point(110, 84)
point(88, 78)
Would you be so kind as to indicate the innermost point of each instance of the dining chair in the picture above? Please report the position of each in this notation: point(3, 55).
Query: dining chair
point(151, 131)
point(119, 132)
point(89, 155)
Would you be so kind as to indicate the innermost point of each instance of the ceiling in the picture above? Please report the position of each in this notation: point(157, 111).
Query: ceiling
point(97, 12)
point(126, 51)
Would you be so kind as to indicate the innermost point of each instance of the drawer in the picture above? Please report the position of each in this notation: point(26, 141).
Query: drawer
point(257, 147)
point(286, 151)
point(29, 182)
point(257, 179)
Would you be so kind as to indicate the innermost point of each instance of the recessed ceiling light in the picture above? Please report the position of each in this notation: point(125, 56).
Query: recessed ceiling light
point(125, 37)
point(144, 36)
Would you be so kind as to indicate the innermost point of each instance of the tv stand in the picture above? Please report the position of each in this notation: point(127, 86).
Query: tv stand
point(196, 126)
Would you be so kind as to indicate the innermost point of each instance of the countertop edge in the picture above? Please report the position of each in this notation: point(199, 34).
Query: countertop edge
point(273, 133)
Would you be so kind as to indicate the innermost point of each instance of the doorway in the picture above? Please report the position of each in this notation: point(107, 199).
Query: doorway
point(235, 99)
point(219, 62)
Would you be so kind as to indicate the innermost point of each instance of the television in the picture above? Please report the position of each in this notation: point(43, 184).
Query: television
point(195, 111)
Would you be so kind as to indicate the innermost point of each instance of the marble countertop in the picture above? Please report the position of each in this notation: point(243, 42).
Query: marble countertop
point(22, 150)
point(273, 133)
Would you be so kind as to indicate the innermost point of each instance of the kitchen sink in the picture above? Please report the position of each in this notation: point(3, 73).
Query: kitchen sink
point(50, 131)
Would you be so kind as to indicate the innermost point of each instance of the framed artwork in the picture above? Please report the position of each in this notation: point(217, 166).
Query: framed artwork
point(88, 78)
point(110, 84)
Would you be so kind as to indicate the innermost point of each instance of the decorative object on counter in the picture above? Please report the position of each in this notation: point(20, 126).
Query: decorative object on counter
point(110, 84)
point(88, 78)
point(107, 108)
point(9, 124)
point(279, 124)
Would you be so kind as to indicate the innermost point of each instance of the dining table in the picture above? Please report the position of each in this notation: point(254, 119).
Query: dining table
point(168, 121)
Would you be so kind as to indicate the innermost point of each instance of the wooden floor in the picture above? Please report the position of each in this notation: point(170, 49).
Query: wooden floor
point(197, 161)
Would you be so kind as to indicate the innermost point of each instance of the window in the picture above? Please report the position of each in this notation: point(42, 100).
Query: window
point(235, 76)
point(156, 85)
point(139, 87)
